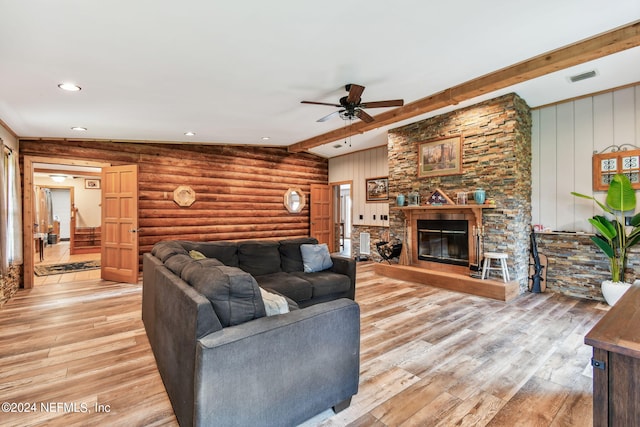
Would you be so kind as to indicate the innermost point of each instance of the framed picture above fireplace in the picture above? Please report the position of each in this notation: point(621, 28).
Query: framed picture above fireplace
point(440, 157)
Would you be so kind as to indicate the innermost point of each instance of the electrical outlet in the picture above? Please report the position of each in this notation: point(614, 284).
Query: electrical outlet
point(374, 217)
point(361, 217)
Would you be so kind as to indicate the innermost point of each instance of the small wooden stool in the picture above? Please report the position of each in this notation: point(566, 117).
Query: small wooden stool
point(486, 265)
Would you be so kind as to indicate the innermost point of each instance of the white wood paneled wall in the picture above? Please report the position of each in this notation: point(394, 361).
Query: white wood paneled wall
point(358, 167)
point(564, 138)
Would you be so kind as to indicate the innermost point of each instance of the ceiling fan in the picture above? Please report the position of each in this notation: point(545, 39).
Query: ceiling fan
point(352, 105)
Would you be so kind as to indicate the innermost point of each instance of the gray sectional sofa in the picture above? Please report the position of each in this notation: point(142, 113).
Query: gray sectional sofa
point(222, 360)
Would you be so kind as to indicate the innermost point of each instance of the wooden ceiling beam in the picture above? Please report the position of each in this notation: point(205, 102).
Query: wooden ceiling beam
point(617, 40)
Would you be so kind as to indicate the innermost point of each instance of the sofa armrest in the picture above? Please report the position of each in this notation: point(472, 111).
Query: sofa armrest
point(279, 370)
point(181, 316)
point(346, 266)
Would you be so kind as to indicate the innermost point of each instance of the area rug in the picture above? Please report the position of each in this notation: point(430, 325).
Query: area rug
point(70, 267)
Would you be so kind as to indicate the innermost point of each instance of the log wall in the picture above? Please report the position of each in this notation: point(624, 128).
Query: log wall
point(239, 190)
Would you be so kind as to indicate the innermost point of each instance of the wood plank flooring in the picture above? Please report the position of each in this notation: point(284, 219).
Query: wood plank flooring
point(60, 253)
point(429, 357)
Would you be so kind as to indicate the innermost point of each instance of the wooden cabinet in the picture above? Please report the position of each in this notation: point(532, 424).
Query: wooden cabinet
point(616, 363)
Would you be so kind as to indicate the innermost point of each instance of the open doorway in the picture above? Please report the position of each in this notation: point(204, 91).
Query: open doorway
point(68, 231)
point(342, 216)
point(59, 196)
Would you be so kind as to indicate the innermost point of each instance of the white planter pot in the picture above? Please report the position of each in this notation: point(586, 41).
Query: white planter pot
point(612, 291)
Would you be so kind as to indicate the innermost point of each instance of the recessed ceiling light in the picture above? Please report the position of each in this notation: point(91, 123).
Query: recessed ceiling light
point(190, 133)
point(265, 138)
point(79, 129)
point(70, 87)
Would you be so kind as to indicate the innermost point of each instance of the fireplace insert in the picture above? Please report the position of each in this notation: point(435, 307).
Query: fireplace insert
point(444, 241)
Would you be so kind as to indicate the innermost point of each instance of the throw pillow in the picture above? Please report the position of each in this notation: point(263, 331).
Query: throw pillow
point(290, 256)
point(273, 303)
point(315, 257)
point(196, 254)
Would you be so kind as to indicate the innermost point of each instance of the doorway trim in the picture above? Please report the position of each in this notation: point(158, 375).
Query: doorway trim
point(335, 214)
point(27, 206)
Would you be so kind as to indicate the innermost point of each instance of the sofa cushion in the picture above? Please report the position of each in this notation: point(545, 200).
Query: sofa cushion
point(289, 285)
point(326, 282)
point(315, 257)
point(177, 262)
point(166, 249)
point(225, 252)
point(259, 257)
point(233, 293)
point(290, 255)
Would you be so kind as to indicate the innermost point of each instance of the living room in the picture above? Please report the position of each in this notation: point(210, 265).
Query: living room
point(237, 189)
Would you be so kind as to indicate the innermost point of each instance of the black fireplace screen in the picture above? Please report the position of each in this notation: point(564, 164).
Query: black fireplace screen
point(445, 241)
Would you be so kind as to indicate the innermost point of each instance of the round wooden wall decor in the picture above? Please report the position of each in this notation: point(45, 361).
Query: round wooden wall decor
point(184, 196)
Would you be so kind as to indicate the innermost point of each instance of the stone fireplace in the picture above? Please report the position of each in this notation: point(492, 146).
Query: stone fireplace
point(444, 238)
point(496, 156)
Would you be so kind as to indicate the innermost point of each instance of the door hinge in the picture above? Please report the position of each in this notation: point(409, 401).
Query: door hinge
point(598, 364)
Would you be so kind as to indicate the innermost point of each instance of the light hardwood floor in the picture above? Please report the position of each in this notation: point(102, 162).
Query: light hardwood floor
point(429, 357)
point(59, 253)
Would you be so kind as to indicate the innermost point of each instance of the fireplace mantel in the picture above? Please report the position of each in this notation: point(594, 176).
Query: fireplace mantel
point(471, 206)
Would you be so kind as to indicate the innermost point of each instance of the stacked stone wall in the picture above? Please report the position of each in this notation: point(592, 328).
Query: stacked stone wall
point(496, 157)
point(576, 267)
point(9, 283)
point(377, 234)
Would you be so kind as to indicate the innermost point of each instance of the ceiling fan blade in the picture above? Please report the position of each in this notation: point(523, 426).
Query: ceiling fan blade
point(363, 116)
point(380, 104)
point(320, 103)
point(327, 117)
point(355, 92)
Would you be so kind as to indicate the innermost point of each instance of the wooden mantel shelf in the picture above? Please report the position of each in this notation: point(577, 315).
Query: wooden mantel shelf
point(471, 206)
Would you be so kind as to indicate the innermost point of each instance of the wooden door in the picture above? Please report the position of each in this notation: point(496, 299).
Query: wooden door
point(320, 215)
point(120, 224)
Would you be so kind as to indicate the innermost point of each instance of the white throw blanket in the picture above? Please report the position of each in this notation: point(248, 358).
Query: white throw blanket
point(274, 304)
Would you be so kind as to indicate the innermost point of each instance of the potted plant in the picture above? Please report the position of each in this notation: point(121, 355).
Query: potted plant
point(612, 236)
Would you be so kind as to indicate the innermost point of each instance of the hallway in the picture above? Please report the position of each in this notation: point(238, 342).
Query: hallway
point(59, 253)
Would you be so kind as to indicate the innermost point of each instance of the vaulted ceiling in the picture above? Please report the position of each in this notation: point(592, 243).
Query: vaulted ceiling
point(235, 72)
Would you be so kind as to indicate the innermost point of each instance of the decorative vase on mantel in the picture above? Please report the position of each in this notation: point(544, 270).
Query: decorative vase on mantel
point(613, 291)
point(400, 199)
point(479, 196)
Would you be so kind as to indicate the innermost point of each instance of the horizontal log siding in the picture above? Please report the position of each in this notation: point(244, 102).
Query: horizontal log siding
point(239, 190)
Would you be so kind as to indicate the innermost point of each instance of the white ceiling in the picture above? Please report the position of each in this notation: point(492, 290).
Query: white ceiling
point(236, 71)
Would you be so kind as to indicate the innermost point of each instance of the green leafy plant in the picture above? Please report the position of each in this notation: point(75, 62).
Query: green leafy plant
point(612, 236)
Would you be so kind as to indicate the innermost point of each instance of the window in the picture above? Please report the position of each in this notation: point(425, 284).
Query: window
point(11, 215)
point(606, 165)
